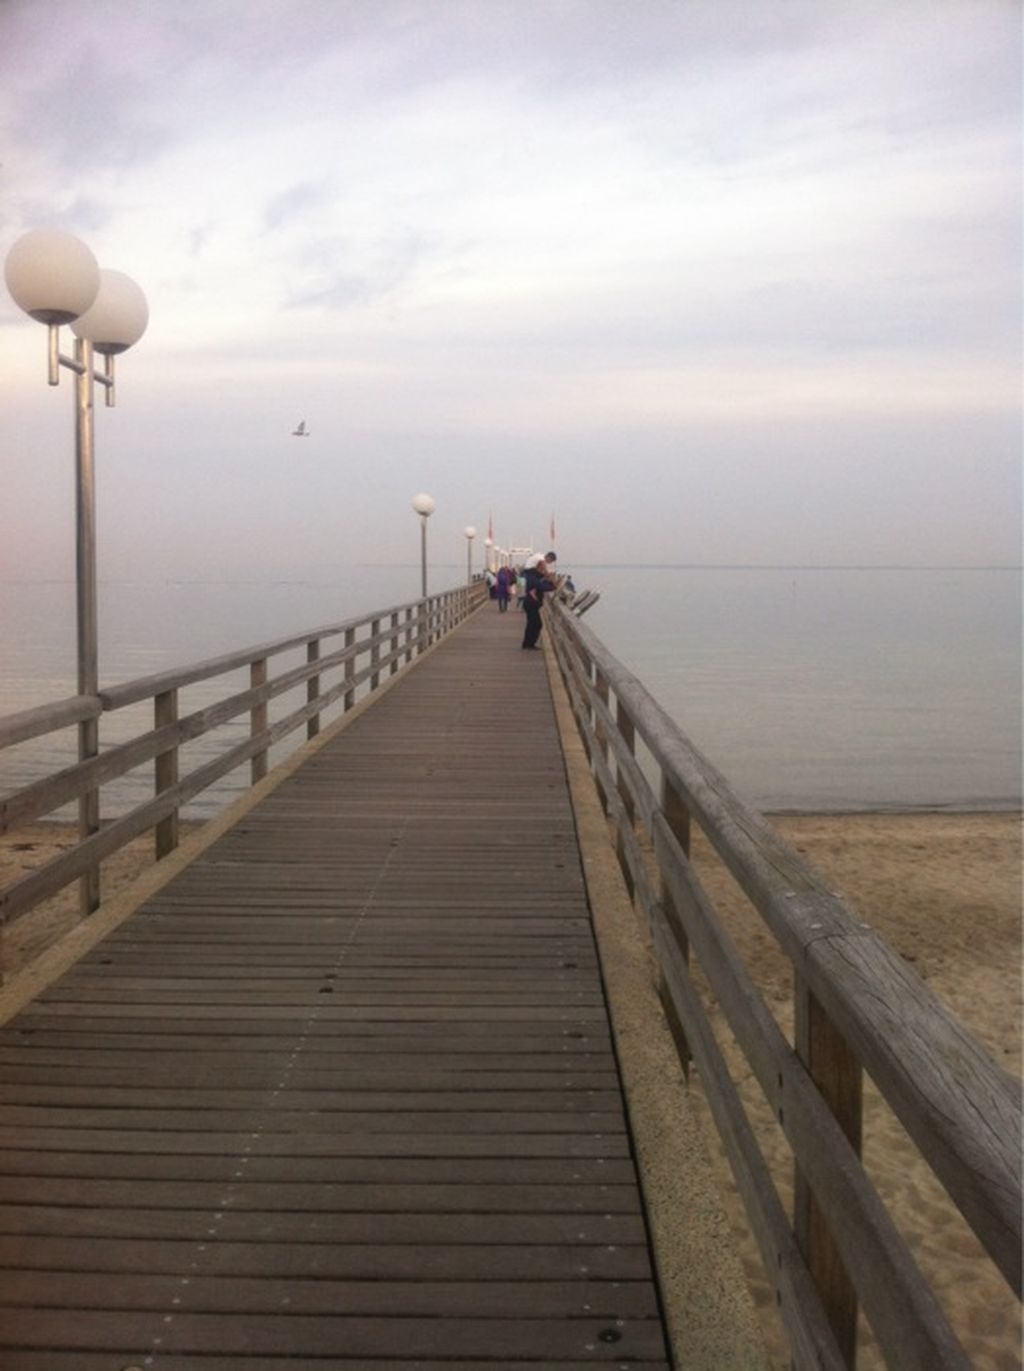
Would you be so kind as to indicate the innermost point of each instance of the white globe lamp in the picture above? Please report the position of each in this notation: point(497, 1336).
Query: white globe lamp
point(117, 317)
point(52, 275)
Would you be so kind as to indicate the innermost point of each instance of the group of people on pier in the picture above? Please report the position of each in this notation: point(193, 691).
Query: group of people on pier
point(529, 583)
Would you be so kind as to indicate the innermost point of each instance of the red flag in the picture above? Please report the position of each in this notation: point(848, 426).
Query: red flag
point(552, 530)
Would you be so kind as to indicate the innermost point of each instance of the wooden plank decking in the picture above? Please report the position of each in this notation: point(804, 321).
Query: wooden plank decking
point(343, 1093)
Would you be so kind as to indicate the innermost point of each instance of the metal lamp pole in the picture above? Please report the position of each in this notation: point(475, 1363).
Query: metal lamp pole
point(470, 533)
point(424, 507)
point(55, 279)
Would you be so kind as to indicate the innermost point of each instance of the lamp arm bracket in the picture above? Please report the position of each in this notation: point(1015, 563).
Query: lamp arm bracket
point(65, 361)
point(58, 359)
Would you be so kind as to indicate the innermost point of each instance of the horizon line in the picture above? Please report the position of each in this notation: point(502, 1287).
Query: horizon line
point(284, 576)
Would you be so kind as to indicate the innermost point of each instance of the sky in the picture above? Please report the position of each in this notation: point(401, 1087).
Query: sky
point(703, 281)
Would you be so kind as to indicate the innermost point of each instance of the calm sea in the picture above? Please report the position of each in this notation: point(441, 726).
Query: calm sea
point(815, 689)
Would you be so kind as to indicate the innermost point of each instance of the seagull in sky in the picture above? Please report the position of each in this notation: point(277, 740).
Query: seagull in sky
point(302, 431)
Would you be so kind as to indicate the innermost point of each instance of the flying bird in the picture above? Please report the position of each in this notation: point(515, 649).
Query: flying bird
point(302, 431)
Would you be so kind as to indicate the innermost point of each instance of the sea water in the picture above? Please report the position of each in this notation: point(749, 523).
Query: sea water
point(830, 689)
point(810, 688)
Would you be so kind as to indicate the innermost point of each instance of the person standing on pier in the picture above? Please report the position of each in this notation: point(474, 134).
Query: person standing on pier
point(504, 584)
point(539, 581)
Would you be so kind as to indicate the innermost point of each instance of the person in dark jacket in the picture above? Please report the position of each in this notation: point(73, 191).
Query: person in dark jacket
point(538, 582)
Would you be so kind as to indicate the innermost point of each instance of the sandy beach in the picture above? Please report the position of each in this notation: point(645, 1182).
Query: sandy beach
point(943, 889)
point(30, 847)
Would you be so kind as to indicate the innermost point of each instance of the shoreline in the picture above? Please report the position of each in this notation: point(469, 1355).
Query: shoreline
point(964, 807)
point(849, 810)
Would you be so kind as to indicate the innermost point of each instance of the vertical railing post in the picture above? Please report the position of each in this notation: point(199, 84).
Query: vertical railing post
point(374, 653)
point(601, 690)
point(165, 711)
point(423, 609)
point(581, 667)
point(677, 816)
point(313, 688)
point(837, 1074)
point(393, 643)
point(408, 634)
point(624, 724)
point(89, 817)
point(350, 668)
point(258, 717)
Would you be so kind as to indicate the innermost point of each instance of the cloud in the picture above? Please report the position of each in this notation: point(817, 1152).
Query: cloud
point(390, 265)
point(457, 234)
point(301, 200)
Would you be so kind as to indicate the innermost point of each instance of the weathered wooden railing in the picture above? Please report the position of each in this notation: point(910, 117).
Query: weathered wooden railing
point(370, 646)
point(858, 1008)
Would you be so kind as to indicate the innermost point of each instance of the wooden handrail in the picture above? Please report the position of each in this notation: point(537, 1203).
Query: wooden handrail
point(145, 687)
point(961, 1109)
point(43, 719)
point(430, 619)
point(44, 796)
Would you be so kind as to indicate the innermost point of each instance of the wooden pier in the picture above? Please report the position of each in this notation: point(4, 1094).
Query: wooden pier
point(348, 1089)
point(343, 1093)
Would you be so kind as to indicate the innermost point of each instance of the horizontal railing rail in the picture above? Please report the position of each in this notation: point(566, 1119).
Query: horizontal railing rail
point(372, 646)
point(858, 1008)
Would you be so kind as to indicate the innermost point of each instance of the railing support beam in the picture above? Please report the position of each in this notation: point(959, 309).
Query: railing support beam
point(838, 1077)
point(313, 688)
point(165, 711)
point(677, 816)
point(258, 716)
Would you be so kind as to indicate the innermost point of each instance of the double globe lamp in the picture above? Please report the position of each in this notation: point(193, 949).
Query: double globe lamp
point(56, 280)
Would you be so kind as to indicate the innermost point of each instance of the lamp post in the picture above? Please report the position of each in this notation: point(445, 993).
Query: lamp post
point(55, 279)
point(488, 544)
point(424, 507)
point(470, 533)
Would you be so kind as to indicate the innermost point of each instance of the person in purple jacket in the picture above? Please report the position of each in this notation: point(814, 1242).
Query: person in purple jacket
point(504, 586)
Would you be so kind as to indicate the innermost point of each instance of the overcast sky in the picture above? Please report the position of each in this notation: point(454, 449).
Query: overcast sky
point(709, 281)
